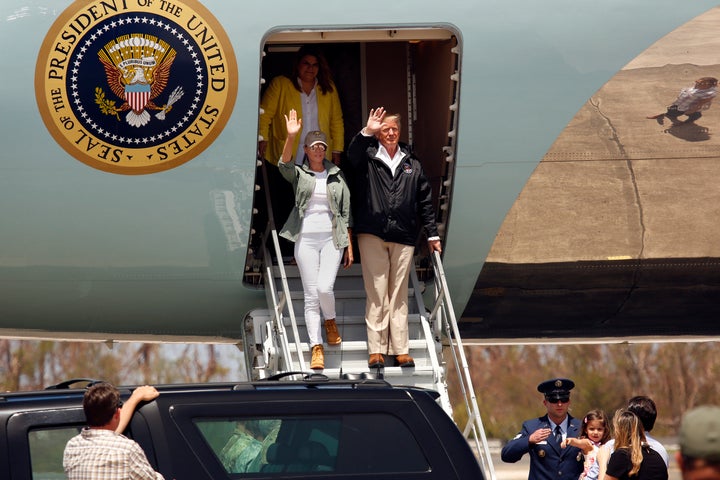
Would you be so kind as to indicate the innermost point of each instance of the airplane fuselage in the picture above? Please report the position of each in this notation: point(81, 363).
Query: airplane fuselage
point(137, 222)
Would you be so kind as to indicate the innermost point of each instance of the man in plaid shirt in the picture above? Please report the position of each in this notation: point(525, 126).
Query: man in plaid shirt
point(100, 451)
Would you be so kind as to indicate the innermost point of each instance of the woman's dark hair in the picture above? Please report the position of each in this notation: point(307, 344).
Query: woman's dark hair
point(324, 76)
point(600, 416)
point(644, 407)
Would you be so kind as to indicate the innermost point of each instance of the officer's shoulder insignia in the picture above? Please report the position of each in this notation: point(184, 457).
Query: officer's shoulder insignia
point(133, 87)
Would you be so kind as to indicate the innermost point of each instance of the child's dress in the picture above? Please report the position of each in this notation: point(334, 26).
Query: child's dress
point(590, 459)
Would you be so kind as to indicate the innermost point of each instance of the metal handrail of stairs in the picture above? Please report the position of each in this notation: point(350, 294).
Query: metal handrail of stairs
point(277, 301)
point(431, 335)
point(444, 313)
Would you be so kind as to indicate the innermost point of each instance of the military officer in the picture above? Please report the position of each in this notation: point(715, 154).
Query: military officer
point(541, 437)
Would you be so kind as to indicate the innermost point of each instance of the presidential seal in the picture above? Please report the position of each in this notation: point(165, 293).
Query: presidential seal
point(135, 86)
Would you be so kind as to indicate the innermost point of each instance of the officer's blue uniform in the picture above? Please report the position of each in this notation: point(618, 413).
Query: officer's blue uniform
point(548, 461)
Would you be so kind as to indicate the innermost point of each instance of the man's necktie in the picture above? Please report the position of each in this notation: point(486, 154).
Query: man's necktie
point(558, 434)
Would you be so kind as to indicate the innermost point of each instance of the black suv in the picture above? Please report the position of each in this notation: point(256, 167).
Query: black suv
point(276, 428)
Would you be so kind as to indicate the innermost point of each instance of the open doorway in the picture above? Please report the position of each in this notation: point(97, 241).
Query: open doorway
point(410, 71)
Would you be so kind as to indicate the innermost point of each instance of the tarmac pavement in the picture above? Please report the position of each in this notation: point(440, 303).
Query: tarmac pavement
point(519, 470)
point(615, 233)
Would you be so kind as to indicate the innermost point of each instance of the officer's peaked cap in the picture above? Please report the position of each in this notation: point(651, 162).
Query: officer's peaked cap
point(556, 387)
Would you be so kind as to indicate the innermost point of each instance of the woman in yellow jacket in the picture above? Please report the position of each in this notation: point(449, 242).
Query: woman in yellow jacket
point(311, 92)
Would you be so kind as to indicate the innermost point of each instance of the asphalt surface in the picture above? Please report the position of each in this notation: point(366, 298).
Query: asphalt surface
point(519, 470)
point(615, 233)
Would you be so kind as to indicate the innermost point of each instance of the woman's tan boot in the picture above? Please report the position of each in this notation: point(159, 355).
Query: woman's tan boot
point(333, 337)
point(318, 358)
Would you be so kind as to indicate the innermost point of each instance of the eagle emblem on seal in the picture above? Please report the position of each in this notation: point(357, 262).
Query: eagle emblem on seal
point(137, 68)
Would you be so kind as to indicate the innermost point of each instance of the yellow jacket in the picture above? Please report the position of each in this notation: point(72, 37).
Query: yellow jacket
point(279, 98)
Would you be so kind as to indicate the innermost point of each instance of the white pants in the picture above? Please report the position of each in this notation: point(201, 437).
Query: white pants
point(318, 261)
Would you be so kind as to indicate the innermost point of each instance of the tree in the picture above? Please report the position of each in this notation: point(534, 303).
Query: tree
point(678, 376)
point(35, 364)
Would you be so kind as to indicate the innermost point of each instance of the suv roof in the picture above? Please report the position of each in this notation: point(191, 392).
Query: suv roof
point(362, 427)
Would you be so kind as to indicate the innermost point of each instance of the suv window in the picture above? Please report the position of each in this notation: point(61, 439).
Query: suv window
point(318, 443)
point(46, 451)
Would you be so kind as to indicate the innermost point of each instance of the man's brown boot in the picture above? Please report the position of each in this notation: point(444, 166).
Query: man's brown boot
point(318, 358)
point(376, 360)
point(404, 360)
point(333, 337)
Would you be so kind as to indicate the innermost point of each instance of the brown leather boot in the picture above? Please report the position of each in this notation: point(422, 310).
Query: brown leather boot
point(404, 360)
point(318, 358)
point(333, 337)
point(376, 360)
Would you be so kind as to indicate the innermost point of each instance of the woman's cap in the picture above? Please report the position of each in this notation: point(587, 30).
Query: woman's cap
point(316, 136)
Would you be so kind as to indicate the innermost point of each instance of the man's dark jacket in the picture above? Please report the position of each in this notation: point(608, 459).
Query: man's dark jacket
point(390, 207)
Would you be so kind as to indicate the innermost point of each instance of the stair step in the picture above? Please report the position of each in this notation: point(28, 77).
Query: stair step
point(344, 320)
point(354, 355)
point(415, 377)
point(361, 367)
point(352, 346)
point(357, 294)
point(343, 282)
point(293, 271)
point(343, 307)
point(352, 291)
point(413, 319)
point(394, 372)
point(355, 340)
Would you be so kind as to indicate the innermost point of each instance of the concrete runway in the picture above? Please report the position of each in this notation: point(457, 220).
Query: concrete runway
point(519, 470)
point(617, 228)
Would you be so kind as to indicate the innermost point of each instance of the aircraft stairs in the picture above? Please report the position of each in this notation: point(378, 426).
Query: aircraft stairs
point(276, 342)
point(350, 358)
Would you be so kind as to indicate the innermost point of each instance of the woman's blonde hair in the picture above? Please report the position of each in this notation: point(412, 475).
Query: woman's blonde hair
point(629, 434)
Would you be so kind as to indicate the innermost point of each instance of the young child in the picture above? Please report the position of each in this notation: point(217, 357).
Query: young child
point(593, 434)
